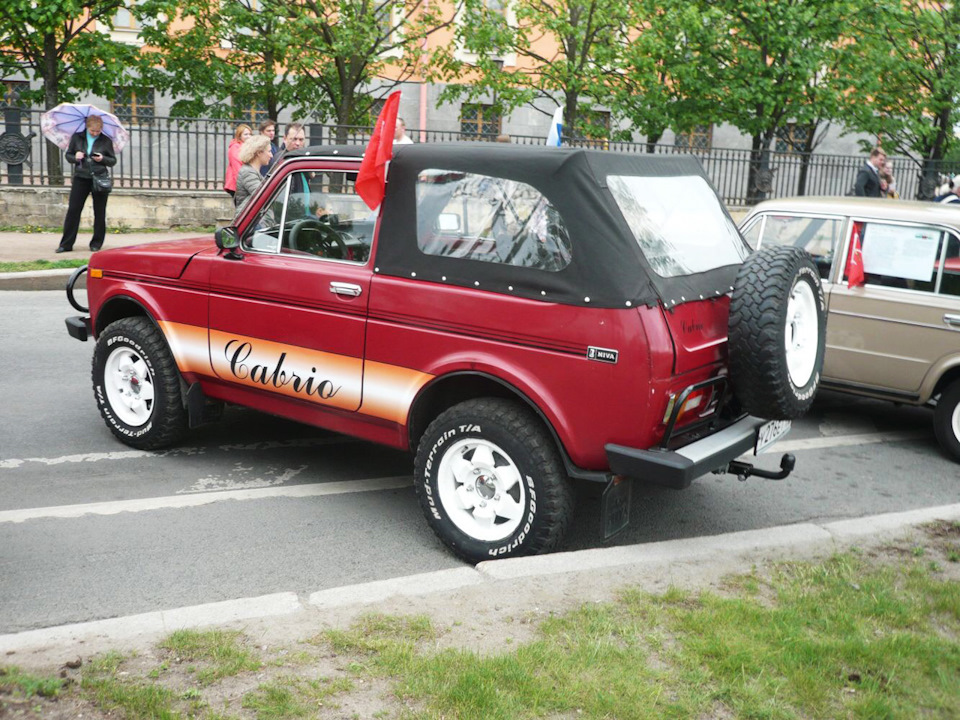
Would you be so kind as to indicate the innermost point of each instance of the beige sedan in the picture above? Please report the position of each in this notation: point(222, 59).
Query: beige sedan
point(896, 336)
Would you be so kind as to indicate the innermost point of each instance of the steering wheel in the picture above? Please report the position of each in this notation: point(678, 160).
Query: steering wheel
point(328, 237)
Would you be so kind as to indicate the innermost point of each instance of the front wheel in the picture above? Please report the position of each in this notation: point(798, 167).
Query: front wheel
point(491, 483)
point(137, 385)
point(946, 420)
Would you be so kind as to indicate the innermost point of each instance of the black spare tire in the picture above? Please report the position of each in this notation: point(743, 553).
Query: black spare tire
point(777, 333)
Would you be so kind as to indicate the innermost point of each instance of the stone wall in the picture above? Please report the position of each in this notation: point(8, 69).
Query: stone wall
point(133, 209)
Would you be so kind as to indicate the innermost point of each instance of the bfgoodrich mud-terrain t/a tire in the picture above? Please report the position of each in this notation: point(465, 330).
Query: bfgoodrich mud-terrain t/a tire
point(777, 333)
point(946, 420)
point(137, 385)
point(491, 483)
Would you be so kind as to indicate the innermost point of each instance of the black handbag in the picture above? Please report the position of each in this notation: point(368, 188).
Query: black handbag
point(102, 182)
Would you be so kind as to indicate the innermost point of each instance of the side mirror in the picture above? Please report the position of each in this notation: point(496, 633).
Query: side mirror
point(448, 222)
point(227, 239)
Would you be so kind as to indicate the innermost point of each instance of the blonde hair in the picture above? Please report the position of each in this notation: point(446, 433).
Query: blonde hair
point(94, 122)
point(239, 131)
point(252, 146)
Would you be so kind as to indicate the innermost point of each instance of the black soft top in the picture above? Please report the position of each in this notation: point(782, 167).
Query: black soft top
point(607, 268)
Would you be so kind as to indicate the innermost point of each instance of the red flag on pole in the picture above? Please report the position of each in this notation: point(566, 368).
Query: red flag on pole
point(371, 179)
point(855, 275)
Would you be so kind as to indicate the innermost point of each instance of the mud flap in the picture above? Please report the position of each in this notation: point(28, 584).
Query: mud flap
point(615, 506)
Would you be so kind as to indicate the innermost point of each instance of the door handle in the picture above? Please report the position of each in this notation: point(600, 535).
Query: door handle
point(952, 320)
point(351, 290)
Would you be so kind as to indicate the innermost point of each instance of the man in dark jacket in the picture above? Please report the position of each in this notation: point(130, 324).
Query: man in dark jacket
point(90, 152)
point(868, 179)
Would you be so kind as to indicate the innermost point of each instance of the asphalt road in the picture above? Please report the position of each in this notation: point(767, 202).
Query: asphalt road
point(91, 529)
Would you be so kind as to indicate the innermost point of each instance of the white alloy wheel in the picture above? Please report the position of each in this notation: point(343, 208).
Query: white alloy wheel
point(481, 490)
point(129, 386)
point(801, 333)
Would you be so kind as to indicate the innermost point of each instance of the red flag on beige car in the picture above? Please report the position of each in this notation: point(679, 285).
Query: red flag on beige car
point(371, 178)
point(855, 275)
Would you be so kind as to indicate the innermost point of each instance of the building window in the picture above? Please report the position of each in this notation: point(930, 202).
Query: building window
point(376, 107)
point(792, 138)
point(125, 19)
point(479, 120)
point(12, 90)
point(700, 138)
point(133, 106)
point(593, 124)
point(251, 112)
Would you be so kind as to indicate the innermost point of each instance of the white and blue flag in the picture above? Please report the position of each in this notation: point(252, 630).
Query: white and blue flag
point(554, 136)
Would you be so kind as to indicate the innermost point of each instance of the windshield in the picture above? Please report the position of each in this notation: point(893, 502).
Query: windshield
point(678, 222)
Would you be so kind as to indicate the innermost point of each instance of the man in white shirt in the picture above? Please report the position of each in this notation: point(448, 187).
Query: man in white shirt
point(400, 134)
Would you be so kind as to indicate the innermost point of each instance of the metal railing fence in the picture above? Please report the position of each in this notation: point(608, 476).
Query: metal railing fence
point(167, 153)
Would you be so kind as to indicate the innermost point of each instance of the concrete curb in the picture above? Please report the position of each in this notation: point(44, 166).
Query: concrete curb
point(36, 279)
point(802, 536)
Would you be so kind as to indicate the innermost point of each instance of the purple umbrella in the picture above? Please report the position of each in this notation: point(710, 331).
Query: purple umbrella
point(66, 119)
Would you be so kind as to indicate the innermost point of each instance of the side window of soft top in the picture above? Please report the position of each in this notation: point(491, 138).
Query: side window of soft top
point(479, 217)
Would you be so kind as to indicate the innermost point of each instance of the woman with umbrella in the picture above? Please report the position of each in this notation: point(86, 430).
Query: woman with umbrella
point(91, 138)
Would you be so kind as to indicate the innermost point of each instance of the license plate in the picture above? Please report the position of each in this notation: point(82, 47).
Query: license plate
point(769, 433)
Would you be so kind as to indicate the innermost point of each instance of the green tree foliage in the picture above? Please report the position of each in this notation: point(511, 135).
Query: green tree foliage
point(63, 45)
point(905, 70)
point(660, 85)
point(311, 55)
point(215, 57)
point(763, 63)
point(564, 50)
point(351, 53)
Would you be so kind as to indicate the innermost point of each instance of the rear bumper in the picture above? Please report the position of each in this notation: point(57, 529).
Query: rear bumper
point(79, 327)
point(678, 468)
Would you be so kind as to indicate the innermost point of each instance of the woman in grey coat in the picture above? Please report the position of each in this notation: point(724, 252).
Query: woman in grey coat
point(254, 154)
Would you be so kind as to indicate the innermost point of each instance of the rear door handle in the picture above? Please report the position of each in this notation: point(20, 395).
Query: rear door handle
point(351, 290)
point(952, 320)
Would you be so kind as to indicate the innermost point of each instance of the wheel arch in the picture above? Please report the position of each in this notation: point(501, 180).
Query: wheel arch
point(946, 379)
point(448, 390)
point(117, 308)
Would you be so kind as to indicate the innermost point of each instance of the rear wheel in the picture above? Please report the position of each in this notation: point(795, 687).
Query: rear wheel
point(777, 333)
point(946, 420)
point(137, 385)
point(491, 483)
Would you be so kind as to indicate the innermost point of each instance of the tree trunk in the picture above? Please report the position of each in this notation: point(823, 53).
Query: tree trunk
point(652, 140)
point(805, 159)
point(51, 95)
point(760, 175)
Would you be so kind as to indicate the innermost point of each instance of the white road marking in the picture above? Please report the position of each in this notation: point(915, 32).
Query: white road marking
point(821, 443)
point(195, 500)
point(136, 454)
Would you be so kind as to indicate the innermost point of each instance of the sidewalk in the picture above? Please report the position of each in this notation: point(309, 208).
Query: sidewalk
point(24, 247)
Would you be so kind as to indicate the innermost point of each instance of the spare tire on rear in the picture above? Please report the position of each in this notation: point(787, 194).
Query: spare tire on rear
point(777, 333)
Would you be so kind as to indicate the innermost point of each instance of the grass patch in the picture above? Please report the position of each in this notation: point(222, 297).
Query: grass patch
point(841, 638)
point(293, 697)
point(14, 681)
point(30, 265)
point(220, 653)
point(134, 700)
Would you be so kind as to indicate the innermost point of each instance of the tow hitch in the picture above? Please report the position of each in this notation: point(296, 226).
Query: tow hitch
point(744, 470)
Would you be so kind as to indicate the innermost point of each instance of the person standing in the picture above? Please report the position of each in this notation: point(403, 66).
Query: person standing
point(400, 136)
point(949, 192)
point(90, 152)
point(240, 136)
point(868, 179)
point(269, 129)
point(293, 139)
point(254, 154)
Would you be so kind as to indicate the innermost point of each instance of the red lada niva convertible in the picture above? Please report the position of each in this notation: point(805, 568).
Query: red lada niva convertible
point(516, 317)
